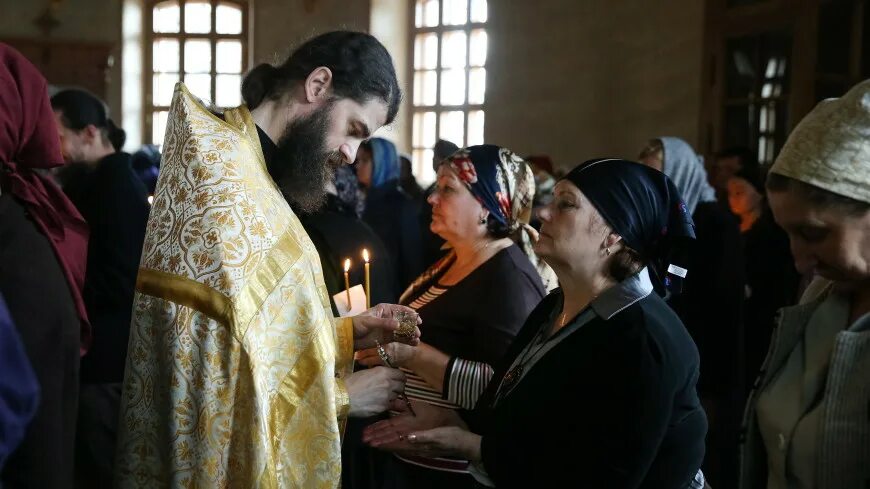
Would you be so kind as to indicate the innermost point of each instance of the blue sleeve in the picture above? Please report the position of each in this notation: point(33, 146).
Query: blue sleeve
point(19, 389)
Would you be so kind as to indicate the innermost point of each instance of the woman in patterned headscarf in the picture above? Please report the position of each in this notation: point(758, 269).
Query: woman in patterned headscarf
point(475, 299)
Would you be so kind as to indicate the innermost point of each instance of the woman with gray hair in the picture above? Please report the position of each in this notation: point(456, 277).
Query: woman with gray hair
point(807, 423)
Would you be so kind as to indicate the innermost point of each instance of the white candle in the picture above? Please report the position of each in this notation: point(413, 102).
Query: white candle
point(365, 255)
point(347, 282)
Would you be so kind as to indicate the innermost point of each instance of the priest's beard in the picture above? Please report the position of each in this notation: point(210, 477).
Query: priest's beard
point(306, 164)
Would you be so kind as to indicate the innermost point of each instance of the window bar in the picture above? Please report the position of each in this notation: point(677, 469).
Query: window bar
point(467, 102)
point(182, 76)
point(213, 45)
point(438, 78)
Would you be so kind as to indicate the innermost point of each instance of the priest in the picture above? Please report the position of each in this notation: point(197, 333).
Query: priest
point(237, 373)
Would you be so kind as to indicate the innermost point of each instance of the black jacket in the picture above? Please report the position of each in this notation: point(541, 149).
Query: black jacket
point(613, 405)
point(114, 202)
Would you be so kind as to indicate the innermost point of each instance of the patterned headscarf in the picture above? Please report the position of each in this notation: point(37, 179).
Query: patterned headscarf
point(830, 148)
point(505, 185)
point(500, 180)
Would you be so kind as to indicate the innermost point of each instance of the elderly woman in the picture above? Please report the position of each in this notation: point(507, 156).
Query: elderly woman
point(473, 301)
point(598, 390)
point(808, 423)
point(711, 305)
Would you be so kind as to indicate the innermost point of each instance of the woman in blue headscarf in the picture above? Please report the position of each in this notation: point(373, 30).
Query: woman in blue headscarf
point(391, 213)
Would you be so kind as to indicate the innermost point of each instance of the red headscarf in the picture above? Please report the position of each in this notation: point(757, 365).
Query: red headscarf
point(28, 141)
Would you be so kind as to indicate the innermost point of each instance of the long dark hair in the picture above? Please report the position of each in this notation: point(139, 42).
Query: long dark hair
point(361, 67)
point(79, 109)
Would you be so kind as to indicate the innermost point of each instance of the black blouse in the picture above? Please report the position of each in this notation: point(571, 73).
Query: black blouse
point(477, 318)
point(612, 405)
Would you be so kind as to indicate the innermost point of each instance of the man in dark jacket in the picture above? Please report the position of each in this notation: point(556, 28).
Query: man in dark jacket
point(113, 200)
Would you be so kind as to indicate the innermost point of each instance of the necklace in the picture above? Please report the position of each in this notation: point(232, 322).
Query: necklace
point(516, 373)
point(457, 271)
point(513, 376)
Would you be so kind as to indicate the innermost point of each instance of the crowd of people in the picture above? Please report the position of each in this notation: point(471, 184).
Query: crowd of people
point(167, 318)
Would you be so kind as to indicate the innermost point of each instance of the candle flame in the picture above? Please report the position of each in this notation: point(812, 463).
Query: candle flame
point(365, 255)
point(346, 265)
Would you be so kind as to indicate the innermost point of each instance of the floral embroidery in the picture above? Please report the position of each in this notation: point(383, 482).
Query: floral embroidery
point(504, 204)
point(465, 168)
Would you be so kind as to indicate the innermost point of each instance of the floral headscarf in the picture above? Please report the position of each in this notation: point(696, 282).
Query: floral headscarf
point(500, 180)
point(505, 186)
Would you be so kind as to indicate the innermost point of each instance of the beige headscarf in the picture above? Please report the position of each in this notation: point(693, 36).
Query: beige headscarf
point(830, 148)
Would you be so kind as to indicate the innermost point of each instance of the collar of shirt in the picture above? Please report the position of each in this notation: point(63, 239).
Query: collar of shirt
point(622, 295)
point(269, 149)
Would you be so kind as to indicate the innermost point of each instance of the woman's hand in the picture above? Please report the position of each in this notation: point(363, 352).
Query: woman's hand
point(391, 434)
point(400, 355)
point(446, 441)
point(377, 325)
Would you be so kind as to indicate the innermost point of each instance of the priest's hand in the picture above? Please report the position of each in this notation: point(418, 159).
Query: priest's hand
point(377, 325)
point(370, 391)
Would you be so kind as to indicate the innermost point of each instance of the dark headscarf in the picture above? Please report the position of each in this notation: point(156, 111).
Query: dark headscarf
point(643, 206)
point(29, 142)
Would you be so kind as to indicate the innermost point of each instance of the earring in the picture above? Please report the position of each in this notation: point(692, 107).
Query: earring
point(607, 250)
point(482, 220)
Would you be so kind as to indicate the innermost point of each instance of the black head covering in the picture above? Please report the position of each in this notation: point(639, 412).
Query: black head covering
point(643, 206)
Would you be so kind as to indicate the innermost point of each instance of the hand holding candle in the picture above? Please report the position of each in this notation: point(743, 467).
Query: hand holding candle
point(365, 254)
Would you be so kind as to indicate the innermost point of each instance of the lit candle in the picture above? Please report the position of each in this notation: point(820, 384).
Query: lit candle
point(347, 282)
point(365, 255)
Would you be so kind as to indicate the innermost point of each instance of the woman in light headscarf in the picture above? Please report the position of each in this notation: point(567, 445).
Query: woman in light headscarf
point(711, 306)
point(43, 249)
point(391, 213)
point(808, 421)
point(474, 300)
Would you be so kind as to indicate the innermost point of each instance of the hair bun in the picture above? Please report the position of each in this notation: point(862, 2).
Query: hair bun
point(258, 83)
point(117, 136)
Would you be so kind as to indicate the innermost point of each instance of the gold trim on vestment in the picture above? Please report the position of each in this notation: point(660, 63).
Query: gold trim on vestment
point(277, 263)
point(186, 292)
